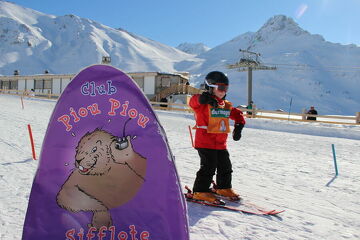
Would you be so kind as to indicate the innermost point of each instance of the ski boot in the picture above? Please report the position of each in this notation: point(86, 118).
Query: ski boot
point(207, 197)
point(229, 194)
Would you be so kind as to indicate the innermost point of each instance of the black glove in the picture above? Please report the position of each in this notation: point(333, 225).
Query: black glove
point(237, 131)
point(206, 98)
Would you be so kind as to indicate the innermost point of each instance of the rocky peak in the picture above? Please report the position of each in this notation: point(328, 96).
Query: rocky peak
point(281, 23)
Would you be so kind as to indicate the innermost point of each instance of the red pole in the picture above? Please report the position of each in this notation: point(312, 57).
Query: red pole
point(192, 141)
point(32, 142)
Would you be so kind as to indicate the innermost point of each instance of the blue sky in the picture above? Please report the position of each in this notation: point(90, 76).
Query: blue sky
point(211, 22)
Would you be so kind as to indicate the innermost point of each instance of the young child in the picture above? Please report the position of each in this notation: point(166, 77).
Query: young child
point(212, 114)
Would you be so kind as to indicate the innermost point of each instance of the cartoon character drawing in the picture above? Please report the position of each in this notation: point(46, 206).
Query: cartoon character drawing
point(108, 173)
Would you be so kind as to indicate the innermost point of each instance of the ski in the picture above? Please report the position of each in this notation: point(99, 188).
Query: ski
point(258, 211)
point(245, 203)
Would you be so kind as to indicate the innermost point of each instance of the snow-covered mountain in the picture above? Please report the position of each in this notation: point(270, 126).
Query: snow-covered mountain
point(310, 70)
point(31, 42)
point(193, 48)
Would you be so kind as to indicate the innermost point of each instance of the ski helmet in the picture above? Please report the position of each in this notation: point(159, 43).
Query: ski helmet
point(214, 78)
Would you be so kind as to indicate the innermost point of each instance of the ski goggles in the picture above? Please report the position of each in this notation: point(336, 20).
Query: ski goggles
point(219, 86)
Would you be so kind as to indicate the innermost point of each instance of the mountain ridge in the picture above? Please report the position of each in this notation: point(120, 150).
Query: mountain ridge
point(68, 43)
point(193, 48)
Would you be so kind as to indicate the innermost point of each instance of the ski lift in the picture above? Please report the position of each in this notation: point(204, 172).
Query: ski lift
point(249, 59)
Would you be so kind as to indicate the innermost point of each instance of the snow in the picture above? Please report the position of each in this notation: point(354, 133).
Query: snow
point(277, 164)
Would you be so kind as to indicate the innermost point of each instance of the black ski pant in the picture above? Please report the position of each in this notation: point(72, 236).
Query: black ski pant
point(211, 161)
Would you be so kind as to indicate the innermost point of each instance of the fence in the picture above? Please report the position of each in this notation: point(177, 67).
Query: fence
point(301, 117)
point(174, 89)
point(29, 93)
point(249, 113)
point(258, 113)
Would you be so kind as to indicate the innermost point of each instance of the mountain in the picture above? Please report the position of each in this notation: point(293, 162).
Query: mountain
point(31, 42)
point(310, 70)
point(193, 48)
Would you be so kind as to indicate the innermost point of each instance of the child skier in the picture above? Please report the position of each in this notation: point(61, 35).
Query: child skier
point(212, 113)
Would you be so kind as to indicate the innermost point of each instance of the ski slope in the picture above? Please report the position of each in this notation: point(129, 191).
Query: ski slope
point(277, 164)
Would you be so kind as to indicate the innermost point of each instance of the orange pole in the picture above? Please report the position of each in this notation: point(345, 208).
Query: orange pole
point(32, 142)
point(192, 141)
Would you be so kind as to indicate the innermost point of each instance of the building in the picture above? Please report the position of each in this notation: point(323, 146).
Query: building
point(152, 83)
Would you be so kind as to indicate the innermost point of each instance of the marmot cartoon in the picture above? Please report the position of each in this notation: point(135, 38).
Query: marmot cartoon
point(108, 173)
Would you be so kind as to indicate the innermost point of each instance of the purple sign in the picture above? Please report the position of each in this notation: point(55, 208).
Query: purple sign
point(106, 170)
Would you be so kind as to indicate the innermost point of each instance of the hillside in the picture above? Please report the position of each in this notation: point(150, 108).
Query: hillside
point(31, 42)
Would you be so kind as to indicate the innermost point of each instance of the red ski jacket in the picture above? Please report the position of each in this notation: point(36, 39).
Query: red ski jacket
point(203, 139)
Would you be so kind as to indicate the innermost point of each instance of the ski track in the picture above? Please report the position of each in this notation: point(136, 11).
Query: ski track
point(275, 170)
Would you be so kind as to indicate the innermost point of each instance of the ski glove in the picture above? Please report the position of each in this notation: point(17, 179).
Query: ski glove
point(237, 131)
point(206, 98)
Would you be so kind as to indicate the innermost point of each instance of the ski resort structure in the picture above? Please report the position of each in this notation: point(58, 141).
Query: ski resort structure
point(155, 85)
